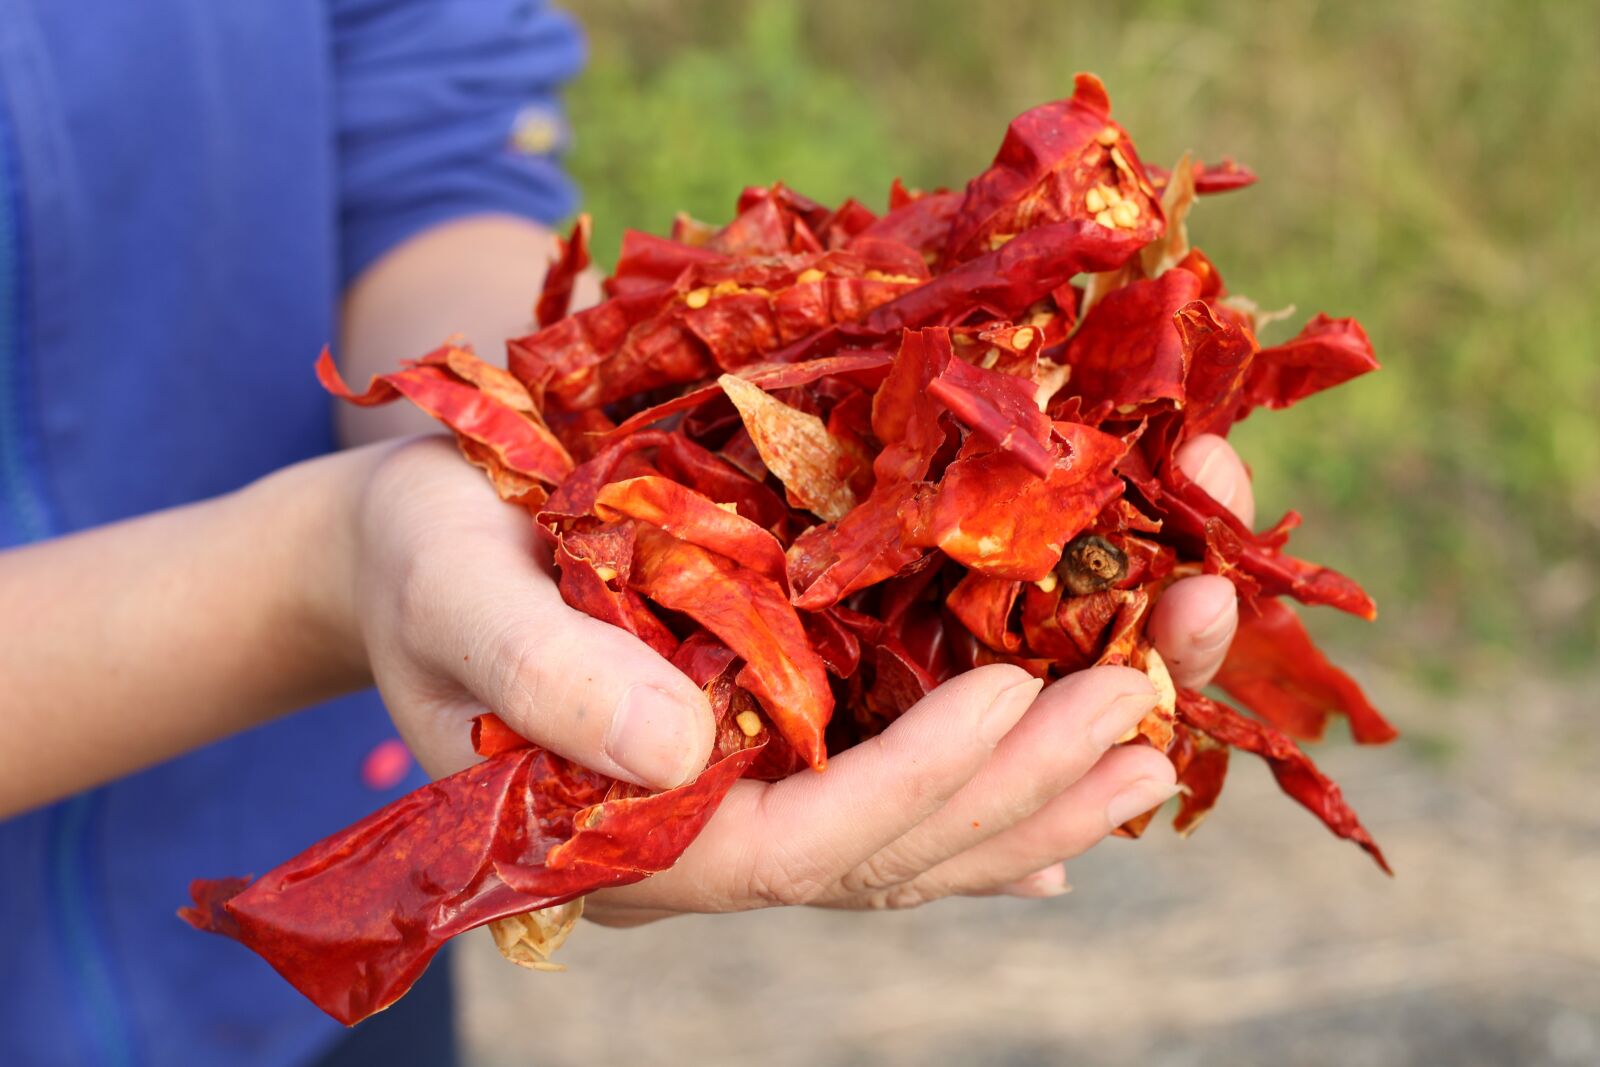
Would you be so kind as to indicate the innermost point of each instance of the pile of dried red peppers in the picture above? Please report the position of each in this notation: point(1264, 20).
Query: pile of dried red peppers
point(822, 460)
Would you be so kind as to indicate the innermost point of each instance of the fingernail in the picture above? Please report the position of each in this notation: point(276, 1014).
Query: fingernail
point(652, 737)
point(1214, 476)
point(1214, 634)
point(1049, 882)
point(1006, 708)
point(1122, 715)
point(1138, 798)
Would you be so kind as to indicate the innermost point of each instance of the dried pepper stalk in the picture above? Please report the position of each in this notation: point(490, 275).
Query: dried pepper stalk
point(824, 460)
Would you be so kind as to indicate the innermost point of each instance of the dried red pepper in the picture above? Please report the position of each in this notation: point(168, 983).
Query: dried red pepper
point(819, 458)
point(354, 920)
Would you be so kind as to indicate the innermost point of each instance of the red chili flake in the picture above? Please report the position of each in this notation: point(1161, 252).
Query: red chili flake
point(1001, 409)
point(821, 458)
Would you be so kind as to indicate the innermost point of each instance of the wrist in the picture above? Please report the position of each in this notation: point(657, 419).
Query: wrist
point(315, 512)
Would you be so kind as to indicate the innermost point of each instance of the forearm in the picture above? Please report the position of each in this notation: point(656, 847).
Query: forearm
point(133, 642)
point(475, 277)
point(126, 645)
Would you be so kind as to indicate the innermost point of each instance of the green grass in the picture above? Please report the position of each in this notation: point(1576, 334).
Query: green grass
point(1426, 167)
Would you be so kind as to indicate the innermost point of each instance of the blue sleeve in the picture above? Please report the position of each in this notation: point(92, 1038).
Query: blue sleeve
point(447, 108)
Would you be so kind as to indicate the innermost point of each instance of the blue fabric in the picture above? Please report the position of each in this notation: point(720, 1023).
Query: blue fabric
point(185, 188)
point(407, 1032)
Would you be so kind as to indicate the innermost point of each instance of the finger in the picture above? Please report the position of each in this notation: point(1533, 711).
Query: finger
point(591, 691)
point(1068, 727)
point(1192, 626)
point(1213, 464)
point(493, 620)
point(1040, 885)
point(1128, 781)
point(1195, 620)
point(791, 842)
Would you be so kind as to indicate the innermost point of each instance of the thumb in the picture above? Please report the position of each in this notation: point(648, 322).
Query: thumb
point(460, 612)
point(599, 696)
point(588, 690)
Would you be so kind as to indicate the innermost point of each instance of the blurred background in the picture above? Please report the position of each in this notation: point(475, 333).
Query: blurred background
point(1428, 168)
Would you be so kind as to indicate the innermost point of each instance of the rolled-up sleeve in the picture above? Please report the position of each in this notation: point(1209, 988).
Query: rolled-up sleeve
point(447, 108)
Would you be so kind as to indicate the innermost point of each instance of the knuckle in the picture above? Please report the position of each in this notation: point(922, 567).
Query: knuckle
point(521, 678)
point(1031, 796)
point(912, 788)
point(776, 888)
point(901, 897)
point(917, 793)
point(878, 873)
point(779, 878)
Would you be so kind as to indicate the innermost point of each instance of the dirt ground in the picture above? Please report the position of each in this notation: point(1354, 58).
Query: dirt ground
point(1259, 940)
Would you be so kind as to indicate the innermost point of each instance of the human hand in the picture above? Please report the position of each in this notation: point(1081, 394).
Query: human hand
point(458, 610)
point(983, 787)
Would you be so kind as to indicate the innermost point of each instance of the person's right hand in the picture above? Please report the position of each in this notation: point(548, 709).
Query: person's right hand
point(458, 611)
point(983, 787)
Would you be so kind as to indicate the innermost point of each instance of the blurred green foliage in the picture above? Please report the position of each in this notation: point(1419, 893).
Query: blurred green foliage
point(1427, 167)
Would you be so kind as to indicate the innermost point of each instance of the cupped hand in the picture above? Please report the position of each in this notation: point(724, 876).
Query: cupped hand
point(459, 612)
point(983, 787)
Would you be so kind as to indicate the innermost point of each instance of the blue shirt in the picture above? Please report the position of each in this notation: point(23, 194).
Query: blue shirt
point(185, 188)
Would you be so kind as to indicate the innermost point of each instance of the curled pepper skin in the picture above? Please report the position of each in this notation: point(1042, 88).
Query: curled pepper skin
point(1274, 670)
point(1296, 774)
point(1059, 161)
point(752, 615)
point(1000, 408)
point(515, 436)
point(822, 460)
point(1223, 177)
point(353, 921)
point(997, 517)
point(688, 516)
point(572, 260)
point(1128, 351)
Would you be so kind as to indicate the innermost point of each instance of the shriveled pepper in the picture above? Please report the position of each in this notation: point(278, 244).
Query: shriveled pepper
point(823, 460)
